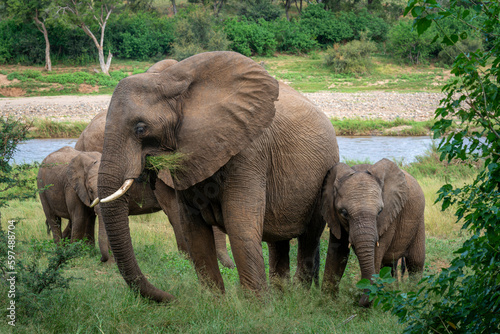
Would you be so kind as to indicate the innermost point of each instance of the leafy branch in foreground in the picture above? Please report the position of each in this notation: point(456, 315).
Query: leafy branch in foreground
point(11, 133)
point(465, 297)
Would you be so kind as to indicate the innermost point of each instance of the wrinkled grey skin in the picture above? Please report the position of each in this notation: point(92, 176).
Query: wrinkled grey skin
point(255, 156)
point(72, 179)
point(143, 197)
point(379, 210)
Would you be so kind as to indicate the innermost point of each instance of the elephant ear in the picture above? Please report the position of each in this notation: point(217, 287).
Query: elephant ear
point(394, 192)
point(332, 179)
point(226, 102)
point(77, 174)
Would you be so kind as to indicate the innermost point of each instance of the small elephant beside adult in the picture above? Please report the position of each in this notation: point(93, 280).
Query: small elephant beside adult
point(379, 210)
point(255, 156)
point(68, 180)
point(143, 197)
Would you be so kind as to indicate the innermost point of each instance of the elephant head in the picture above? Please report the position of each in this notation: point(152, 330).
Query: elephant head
point(82, 174)
point(363, 202)
point(207, 108)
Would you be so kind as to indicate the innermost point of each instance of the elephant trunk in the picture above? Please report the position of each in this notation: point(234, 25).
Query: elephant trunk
point(364, 240)
point(115, 217)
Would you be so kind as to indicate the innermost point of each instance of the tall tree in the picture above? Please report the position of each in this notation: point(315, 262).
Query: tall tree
point(38, 11)
point(174, 6)
point(84, 13)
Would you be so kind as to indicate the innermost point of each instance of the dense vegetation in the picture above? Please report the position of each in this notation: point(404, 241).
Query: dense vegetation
point(147, 30)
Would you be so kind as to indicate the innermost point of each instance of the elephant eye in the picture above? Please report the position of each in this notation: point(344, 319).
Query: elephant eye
point(344, 213)
point(140, 129)
point(380, 211)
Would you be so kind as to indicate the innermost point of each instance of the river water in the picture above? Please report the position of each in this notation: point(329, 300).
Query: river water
point(374, 148)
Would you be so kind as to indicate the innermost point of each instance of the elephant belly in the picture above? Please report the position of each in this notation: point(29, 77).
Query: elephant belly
point(299, 157)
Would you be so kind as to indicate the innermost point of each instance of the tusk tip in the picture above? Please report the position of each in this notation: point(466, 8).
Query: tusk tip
point(95, 202)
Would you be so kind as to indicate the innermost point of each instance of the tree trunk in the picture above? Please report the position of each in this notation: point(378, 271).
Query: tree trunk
point(41, 26)
point(287, 8)
point(174, 7)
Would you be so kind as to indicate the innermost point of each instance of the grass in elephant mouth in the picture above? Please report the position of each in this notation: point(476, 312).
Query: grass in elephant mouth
point(172, 162)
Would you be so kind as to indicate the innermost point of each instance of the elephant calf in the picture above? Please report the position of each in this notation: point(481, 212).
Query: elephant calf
point(379, 210)
point(70, 181)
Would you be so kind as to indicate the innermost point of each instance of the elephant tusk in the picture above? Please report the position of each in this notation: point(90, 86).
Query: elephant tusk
point(349, 246)
point(95, 202)
point(123, 189)
point(378, 244)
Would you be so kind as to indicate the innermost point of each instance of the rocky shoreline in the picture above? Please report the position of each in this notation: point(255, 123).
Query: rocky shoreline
point(370, 105)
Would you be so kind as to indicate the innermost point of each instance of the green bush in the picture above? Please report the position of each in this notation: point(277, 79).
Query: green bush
point(375, 27)
point(141, 36)
point(259, 9)
point(21, 43)
point(197, 32)
point(291, 38)
point(250, 37)
point(449, 53)
point(324, 26)
point(407, 45)
point(353, 57)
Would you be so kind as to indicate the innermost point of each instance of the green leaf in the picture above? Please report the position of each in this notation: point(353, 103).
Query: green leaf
point(385, 272)
point(409, 7)
point(423, 24)
point(364, 284)
point(417, 11)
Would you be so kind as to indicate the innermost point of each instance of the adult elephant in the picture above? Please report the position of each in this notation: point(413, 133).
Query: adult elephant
point(255, 154)
point(142, 196)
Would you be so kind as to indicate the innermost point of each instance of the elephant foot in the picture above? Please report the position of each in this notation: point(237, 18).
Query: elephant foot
point(364, 301)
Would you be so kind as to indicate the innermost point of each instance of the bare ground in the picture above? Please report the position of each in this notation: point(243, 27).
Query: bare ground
point(372, 105)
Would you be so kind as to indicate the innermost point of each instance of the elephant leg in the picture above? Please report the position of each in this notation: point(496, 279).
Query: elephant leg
point(201, 245)
point(90, 229)
point(168, 202)
point(67, 230)
point(54, 224)
point(221, 247)
point(79, 223)
point(308, 257)
point(415, 259)
point(336, 262)
point(279, 261)
point(243, 214)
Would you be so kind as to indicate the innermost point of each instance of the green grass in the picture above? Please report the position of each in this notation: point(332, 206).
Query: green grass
point(45, 128)
point(64, 80)
point(308, 74)
point(99, 301)
point(370, 127)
